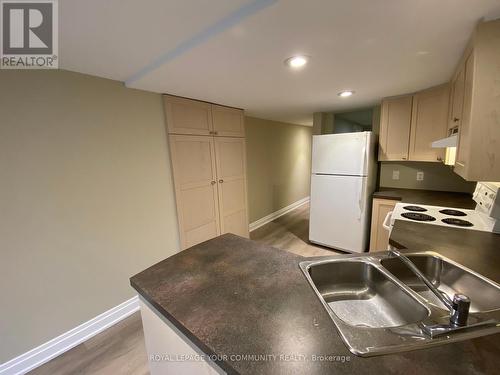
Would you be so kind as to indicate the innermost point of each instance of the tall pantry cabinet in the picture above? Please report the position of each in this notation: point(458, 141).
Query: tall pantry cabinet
point(207, 149)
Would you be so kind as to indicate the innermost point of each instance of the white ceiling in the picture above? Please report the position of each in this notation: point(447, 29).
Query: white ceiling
point(232, 51)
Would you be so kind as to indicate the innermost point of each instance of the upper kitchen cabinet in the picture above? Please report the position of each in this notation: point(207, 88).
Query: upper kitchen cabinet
point(410, 123)
point(457, 87)
point(478, 152)
point(227, 121)
point(186, 116)
point(193, 117)
point(428, 122)
point(395, 121)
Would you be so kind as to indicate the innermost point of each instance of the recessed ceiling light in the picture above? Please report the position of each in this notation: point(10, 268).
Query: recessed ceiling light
point(345, 93)
point(296, 61)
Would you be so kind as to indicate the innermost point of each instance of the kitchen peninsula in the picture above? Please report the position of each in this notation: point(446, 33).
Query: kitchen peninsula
point(230, 297)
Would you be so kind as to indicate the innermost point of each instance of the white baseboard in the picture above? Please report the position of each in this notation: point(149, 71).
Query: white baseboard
point(51, 349)
point(267, 219)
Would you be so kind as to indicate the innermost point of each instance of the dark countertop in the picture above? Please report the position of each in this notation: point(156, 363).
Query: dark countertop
point(430, 197)
point(234, 296)
point(479, 251)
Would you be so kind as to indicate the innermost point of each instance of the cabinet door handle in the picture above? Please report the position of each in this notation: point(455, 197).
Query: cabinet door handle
point(215, 133)
point(221, 181)
point(439, 158)
point(456, 119)
point(212, 182)
point(404, 158)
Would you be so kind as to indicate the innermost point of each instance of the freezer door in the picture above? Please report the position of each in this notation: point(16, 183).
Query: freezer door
point(344, 154)
point(339, 212)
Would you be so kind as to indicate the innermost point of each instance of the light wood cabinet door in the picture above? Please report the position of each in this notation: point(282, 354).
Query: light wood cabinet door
point(227, 122)
point(457, 98)
point(429, 123)
point(395, 121)
point(193, 164)
point(379, 236)
point(231, 174)
point(186, 116)
point(478, 152)
point(463, 149)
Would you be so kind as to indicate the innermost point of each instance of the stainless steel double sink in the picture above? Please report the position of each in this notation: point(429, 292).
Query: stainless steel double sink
point(379, 306)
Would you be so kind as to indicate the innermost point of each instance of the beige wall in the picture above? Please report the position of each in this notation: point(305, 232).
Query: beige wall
point(86, 200)
point(279, 165)
point(437, 176)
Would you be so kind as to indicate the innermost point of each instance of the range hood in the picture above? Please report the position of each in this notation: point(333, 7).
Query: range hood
point(450, 144)
point(451, 141)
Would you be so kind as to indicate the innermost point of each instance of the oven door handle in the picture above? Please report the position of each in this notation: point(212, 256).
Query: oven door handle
point(386, 224)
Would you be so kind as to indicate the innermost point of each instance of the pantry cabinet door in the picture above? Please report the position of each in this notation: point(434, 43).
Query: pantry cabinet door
point(228, 122)
point(193, 164)
point(429, 123)
point(395, 120)
point(231, 181)
point(186, 116)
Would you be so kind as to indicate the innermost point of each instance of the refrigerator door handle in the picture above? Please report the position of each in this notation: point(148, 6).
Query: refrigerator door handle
point(363, 155)
point(361, 201)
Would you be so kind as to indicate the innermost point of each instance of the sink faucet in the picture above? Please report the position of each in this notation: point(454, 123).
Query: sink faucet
point(459, 306)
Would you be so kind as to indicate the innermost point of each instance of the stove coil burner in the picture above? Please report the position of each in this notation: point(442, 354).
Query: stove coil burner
point(418, 216)
point(415, 208)
point(453, 212)
point(457, 222)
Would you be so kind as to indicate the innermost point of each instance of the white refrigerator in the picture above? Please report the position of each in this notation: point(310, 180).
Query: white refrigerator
point(343, 177)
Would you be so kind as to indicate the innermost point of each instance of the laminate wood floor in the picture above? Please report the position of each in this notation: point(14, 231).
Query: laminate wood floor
point(121, 350)
point(291, 232)
point(115, 351)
